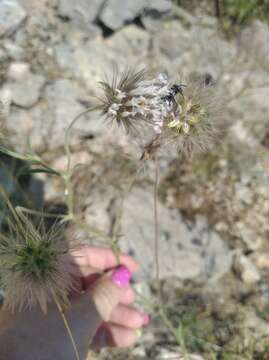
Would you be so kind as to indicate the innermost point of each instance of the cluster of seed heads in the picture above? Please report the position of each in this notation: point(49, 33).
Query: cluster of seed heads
point(178, 114)
point(34, 263)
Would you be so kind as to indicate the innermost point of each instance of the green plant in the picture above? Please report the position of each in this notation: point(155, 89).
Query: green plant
point(240, 11)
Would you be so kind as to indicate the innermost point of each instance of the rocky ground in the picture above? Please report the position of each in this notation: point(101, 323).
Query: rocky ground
point(213, 209)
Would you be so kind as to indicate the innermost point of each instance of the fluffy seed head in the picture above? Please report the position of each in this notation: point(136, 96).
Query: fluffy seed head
point(134, 101)
point(191, 121)
point(34, 265)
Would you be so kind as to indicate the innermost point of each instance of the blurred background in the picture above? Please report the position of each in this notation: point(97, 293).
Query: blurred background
point(213, 209)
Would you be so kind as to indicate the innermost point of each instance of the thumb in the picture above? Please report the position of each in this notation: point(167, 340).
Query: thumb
point(108, 291)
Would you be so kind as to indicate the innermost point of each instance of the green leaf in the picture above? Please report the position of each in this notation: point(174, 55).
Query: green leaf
point(26, 170)
point(13, 154)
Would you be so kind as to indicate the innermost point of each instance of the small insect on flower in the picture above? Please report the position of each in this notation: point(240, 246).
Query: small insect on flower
point(191, 124)
point(35, 267)
point(173, 91)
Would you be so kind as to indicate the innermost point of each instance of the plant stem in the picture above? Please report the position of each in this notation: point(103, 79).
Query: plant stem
point(69, 332)
point(156, 232)
point(178, 337)
point(68, 132)
point(39, 213)
point(68, 193)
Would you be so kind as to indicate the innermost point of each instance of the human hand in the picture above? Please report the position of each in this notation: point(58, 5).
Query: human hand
point(101, 306)
point(120, 321)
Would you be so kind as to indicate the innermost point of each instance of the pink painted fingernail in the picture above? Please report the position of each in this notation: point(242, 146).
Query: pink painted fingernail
point(146, 319)
point(122, 276)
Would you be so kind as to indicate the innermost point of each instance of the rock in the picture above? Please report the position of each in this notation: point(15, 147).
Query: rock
point(12, 15)
point(46, 123)
point(253, 105)
point(3, 55)
point(249, 236)
point(18, 70)
point(26, 87)
point(20, 124)
point(208, 21)
point(13, 50)
point(159, 6)
point(256, 327)
point(244, 193)
point(92, 61)
point(80, 158)
point(188, 251)
point(240, 133)
point(81, 10)
point(256, 40)
point(172, 40)
point(261, 260)
point(175, 353)
point(185, 17)
point(62, 97)
point(5, 102)
point(97, 210)
point(66, 51)
point(117, 12)
point(247, 271)
point(156, 12)
point(130, 41)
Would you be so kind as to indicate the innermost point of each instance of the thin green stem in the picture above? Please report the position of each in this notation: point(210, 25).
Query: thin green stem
point(156, 232)
point(68, 193)
point(39, 213)
point(68, 134)
point(178, 336)
point(69, 332)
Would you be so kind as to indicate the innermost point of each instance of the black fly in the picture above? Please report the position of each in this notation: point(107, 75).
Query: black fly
point(173, 91)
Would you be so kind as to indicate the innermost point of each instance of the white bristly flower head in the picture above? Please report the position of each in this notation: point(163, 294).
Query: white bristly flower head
point(180, 115)
point(190, 121)
point(134, 101)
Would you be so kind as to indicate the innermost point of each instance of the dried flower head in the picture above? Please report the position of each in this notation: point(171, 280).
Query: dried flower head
point(134, 100)
point(190, 122)
point(35, 266)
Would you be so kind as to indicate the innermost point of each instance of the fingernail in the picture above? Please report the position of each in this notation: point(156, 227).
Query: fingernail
point(146, 319)
point(138, 333)
point(121, 276)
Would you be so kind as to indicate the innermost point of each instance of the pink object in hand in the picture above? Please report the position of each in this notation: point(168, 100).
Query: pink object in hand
point(121, 276)
point(146, 319)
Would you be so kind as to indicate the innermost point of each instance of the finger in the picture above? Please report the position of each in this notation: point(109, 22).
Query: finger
point(113, 336)
point(108, 291)
point(128, 296)
point(127, 316)
point(91, 259)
